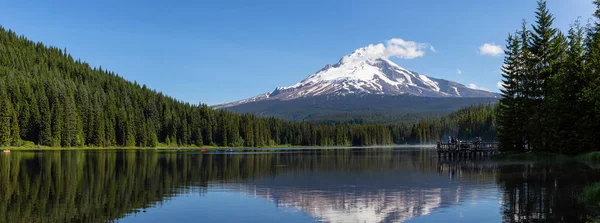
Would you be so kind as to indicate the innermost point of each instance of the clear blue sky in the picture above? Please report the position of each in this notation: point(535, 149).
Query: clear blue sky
point(220, 51)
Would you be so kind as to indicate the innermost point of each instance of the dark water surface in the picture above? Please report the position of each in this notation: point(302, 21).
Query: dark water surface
point(335, 185)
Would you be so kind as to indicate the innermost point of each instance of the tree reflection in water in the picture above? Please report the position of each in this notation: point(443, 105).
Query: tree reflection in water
point(330, 185)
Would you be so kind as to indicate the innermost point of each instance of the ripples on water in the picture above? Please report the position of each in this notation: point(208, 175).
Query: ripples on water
point(286, 185)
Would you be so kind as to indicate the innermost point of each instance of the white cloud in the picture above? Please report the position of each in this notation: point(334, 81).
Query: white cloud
point(500, 85)
point(432, 48)
point(458, 71)
point(490, 49)
point(393, 48)
point(474, 86)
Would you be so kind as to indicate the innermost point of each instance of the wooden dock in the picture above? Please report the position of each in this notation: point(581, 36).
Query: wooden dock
point(466, 149)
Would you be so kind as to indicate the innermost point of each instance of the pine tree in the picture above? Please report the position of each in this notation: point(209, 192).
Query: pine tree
point(45, 120)
point(15, 130)
point(543, 48)
point(590, 99)
point(526, 86)
point(98, 131)
point(198, 140)
point(69, 123)
point(5, 117)
point(564, 89)
point(509, 129)
point(545, 52)
point(153, 138)
point(57, 121)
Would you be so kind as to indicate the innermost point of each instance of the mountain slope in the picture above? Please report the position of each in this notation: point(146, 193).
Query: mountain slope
point(349, 87)
point(380, 109)
point(50, 99)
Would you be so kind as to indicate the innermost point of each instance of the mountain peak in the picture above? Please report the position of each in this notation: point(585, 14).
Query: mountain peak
point(368, 70)
point(368, 53)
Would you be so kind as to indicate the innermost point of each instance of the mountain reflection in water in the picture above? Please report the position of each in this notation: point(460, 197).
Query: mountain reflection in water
point(337, 185)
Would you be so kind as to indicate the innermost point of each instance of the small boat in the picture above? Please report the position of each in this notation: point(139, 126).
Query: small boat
point(229, 150)
point(203, 151)
point(6, 151)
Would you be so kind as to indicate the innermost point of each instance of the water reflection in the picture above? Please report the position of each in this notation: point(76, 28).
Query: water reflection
point(546, 192)
point(385, 187)
point(374, 185)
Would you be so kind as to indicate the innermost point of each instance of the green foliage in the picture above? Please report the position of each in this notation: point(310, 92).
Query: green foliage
point(593, 157)
point(9, 131)
point(510, 106)
point(551, 97)
point(591, 194)
point(363, 109)
point(27, 144)
point(48, 98)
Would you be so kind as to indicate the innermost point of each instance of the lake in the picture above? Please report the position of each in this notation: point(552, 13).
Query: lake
point(287, 185)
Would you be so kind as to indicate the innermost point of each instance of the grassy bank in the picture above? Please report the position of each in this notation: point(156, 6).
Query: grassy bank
point(29, 146)
point(590, 157)
point(591, 196)
point(160, 147)
point(50, 148)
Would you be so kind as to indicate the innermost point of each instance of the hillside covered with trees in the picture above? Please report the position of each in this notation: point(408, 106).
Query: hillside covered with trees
point(551, 100)
point(51, 99)
point(363, 109)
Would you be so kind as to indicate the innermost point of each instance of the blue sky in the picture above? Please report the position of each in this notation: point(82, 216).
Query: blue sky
point(220, 51)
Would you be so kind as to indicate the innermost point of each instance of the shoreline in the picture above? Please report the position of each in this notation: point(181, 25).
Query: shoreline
point(208, 148)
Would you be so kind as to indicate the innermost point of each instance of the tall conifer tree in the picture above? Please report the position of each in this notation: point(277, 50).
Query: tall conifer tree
point(508, 125)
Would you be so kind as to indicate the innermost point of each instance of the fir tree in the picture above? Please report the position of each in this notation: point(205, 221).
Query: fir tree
point(508, 108)
point(545, 51)
point(564, 89)
point(5, 118)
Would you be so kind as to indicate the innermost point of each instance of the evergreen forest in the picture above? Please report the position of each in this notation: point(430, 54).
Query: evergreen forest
point(48, 98)
point(551, 79)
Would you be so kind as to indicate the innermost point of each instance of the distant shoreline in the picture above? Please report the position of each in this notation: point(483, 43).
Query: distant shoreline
point(208, 148)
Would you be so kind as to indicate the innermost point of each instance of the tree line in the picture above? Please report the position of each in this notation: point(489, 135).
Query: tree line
point(49, 98)
point(550, 101)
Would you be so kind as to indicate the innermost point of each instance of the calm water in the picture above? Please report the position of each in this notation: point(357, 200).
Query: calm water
point(341, 185)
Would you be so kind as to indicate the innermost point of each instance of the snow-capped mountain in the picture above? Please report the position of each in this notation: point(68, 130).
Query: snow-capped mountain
point(359, 74)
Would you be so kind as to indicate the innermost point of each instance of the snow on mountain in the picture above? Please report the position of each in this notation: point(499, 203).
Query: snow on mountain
point(361, 73)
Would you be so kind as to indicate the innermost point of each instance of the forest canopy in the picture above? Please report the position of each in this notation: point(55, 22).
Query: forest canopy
point(51, 99)
point(551, 100)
